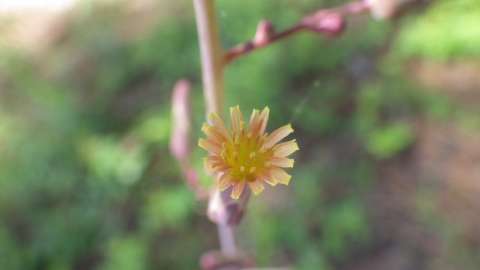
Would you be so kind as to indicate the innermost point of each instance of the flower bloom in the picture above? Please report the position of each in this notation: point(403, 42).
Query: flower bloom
point(244, 155)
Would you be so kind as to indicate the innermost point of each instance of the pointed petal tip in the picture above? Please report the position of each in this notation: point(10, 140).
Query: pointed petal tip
point(281, 176)
point(256, 187)
point(236, 118)
point(257, 192)
point(271, 181)
point(254, 117)
point(234, 195)
point(282, 162)
point(265, 113)
point(273, 184)
point(209, 146)
point(236, 107)
point(296, 145)
point(237, 190)
point(224, 182)
point(205, 127)
point(203, 144)
point(212, 116)
point(286, 181)
point(277, 135)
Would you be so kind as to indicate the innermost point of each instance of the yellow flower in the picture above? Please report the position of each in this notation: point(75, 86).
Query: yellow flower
point(247, 155)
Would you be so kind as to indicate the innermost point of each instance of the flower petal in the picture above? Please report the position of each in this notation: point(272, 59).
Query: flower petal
point(237, 190)
point(224, 181)
point(210, 146)
point(277, 136)
point(214, 164)
point(282, 162)
point(219, 125)
point(285, 149)
point(254, 123)
point(215, 158)
point(280, 176)
point(256, 187)
point(258, 122)
point(267, 178)
point(270, 180)
point(263, 120)
point(209, 166)
point(254, 117)
point(213, 134)
point(237, 119)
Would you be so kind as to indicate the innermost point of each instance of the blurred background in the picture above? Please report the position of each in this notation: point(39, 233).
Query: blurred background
point(387, 118)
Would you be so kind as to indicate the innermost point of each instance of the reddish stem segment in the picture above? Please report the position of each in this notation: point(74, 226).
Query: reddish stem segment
point(330, 22)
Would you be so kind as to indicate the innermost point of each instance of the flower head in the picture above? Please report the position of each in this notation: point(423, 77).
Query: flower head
point(243, 155)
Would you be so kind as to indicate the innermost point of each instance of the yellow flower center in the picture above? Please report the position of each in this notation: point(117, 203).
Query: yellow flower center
point(245, 157)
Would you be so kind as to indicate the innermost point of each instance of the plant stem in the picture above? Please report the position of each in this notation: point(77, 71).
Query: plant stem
point(226, 235)
point(211, 54)
point(212, 70)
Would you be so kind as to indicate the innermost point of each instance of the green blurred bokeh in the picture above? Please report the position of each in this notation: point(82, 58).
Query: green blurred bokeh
point(86, 181)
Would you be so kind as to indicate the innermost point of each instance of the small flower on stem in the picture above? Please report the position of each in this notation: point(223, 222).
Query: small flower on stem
point(247, 156)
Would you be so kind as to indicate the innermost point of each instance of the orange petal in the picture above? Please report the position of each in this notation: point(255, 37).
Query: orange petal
point(212, 166)
point(263, 120)
point(285, 149)
point(254, 117)
point(282, 162)
point(236, 118)
point(237, 190)
point(269, 179)
point(224, 181)
point(254, 123)
point(258, 121)
point(277, 136)
point(219, 125)
point(208, 166)
point(210, 146)
point(256, 187)
point(280, 176)
point(213, 134)
point(214, 159)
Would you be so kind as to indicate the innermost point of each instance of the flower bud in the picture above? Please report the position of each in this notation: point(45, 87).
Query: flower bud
point(265, 31)
point(326, 22)
point(179, 141)
point(384, 9)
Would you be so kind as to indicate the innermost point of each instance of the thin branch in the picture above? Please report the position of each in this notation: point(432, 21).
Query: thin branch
point(330, 22)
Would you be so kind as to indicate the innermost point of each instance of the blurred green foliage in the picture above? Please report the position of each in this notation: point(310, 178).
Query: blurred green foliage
point(452, 25)
point(86, 181)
